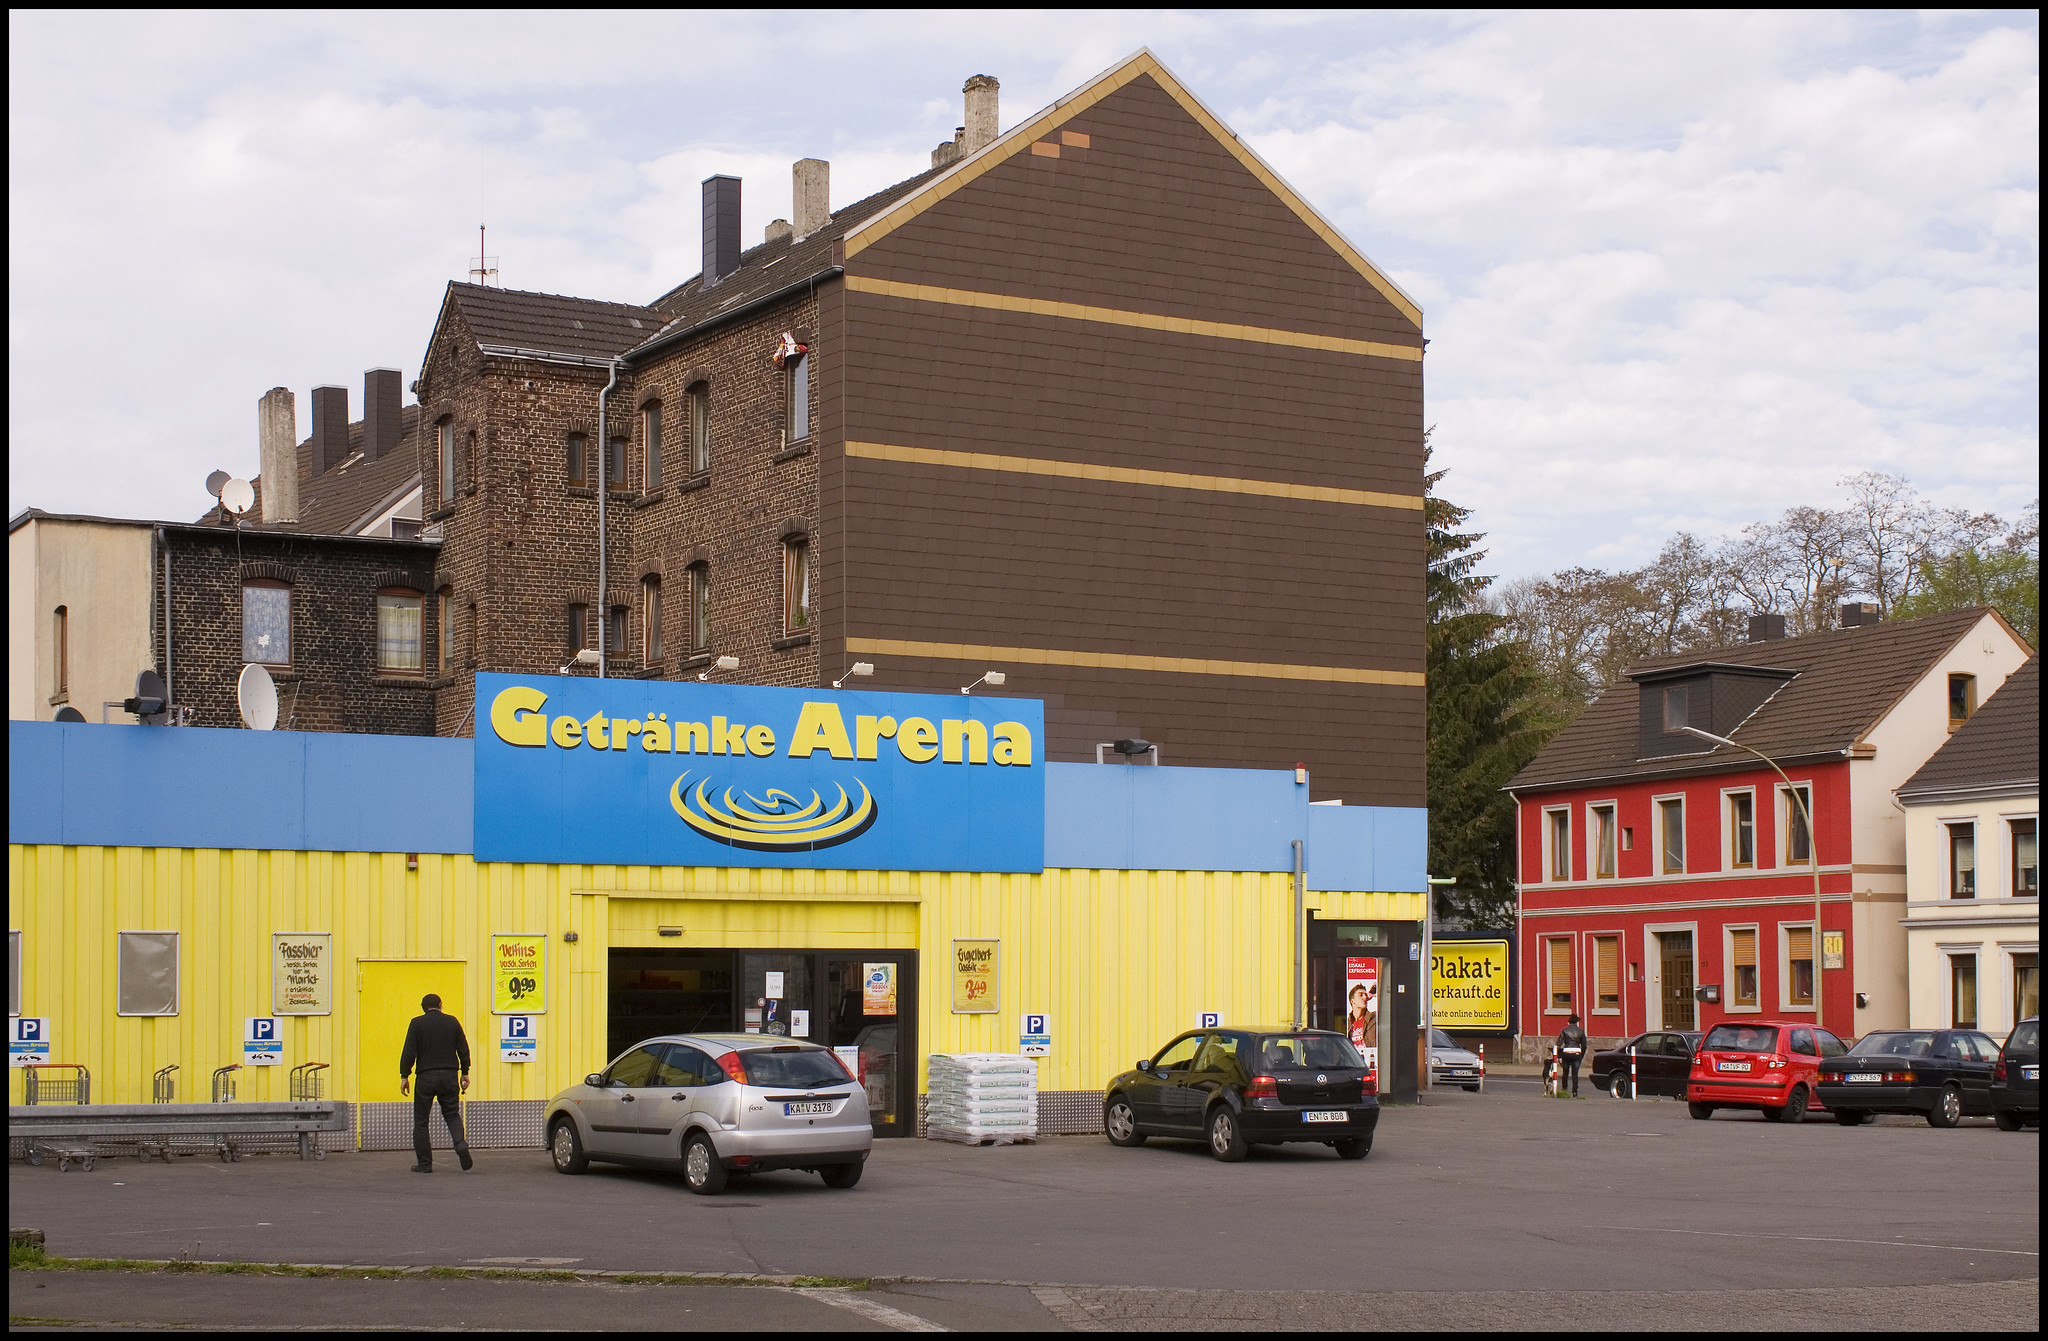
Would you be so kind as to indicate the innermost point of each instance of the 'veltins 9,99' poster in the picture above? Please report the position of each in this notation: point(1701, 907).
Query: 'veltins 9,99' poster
point(1362, 1006)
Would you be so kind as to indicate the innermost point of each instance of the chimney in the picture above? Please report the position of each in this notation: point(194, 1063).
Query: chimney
point(1766, 628)
point(383, 397)
point(778, 231)
point(277, 454)
point(330, 427)
point(949, 150)
point(1855, 614)
point(721, 228)
point(981, 112)
point(811, 194)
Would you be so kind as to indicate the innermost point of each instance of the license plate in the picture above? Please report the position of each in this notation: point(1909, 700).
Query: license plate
point(801, 1110)
point(2030, 1073)
point(1865, 1078)
point(1325, 1117)
point(1731, 1066)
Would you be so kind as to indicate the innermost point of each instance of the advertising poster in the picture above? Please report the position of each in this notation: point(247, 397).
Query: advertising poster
point(974, 977)
point(518, 975)
point(1470, 983)
point(301, 974)
point(1362, 1006)
point(878, 989)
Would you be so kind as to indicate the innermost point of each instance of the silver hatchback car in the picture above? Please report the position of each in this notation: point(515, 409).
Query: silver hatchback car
point(713, 1105)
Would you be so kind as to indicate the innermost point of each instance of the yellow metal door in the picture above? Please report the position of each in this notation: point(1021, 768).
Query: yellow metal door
point(389, 992)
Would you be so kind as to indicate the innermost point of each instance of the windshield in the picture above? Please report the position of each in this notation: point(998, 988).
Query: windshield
point(2028, 1035)
point(1305, 1052)
point(1901, 1043)
point(1741, 1038)
point(796, 1068)
point(1439, 1039)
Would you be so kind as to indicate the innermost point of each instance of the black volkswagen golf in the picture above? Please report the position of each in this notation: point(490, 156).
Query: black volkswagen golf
point(1237, 1088)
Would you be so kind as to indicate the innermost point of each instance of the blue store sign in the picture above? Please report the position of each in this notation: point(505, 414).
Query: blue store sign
point(665, 773)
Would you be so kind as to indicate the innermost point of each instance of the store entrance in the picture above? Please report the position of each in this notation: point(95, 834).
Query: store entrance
point(859, 1003)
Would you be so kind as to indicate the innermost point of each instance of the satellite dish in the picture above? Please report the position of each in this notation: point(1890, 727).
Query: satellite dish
point(69, 714)
point(238, 496)
point(256, 696)
point(216, 480)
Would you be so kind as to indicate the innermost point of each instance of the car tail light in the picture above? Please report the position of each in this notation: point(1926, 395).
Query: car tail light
point(1262, 1087)
point(1777, 1063)
point(1901, 1077)
point(1999, 1074)
point(730, 1064)
point(1372, 1082)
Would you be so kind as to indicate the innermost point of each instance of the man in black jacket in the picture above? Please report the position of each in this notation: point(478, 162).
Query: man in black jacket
point(436, 1043)
point(1571, 1049)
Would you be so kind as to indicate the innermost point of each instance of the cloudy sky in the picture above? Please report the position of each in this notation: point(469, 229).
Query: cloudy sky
point(1678, 271)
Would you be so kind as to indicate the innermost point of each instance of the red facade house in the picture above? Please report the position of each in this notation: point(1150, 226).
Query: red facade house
point(1669, 883)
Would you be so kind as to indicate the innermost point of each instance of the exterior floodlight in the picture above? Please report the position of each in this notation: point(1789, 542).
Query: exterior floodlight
point(860, 668)
point(993, 679)
point(1128, 748)
point(724, 663)
point(587, 657)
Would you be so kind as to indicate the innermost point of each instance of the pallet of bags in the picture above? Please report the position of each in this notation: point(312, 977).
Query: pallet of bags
point(982, 1098)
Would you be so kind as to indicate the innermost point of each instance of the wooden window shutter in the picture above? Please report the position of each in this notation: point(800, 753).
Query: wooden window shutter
point(1799, 943)
point(1744, 946)
point(1560, 972)
point(1608, 955)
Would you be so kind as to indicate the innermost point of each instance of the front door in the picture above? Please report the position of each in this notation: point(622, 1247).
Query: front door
point(864, 1018)
point(1675, 953)
point(388, 997)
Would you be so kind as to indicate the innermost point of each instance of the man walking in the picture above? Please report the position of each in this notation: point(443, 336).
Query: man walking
point(436, 1043)
point(1571, 1046)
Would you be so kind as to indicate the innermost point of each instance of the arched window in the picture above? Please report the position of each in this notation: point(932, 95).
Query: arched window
point(266, 622)
point(700, 429)
point(700, 607)
point(444, 629)
point(650, 438)
point(398, 631)
point(650, 618)
point(796, 584)
point(446, 448)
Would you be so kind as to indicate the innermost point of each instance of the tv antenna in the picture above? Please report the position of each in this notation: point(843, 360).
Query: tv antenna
point(483, 272)
point(256, 698)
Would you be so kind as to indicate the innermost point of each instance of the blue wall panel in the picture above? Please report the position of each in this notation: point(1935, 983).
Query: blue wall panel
point(1137, 817)
point(1384, 848)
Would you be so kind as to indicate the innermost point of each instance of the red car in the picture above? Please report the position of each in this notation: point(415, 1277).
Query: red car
point(1767, 1064)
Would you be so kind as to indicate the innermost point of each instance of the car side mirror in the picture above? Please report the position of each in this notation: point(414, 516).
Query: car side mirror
point(594, 1080)
point(1144, 1064)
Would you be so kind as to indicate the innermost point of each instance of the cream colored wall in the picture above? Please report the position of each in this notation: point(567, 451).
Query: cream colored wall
point(1995, 924)
point(101, 572)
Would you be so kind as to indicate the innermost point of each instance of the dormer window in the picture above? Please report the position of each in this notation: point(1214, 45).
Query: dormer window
point(1674, 708)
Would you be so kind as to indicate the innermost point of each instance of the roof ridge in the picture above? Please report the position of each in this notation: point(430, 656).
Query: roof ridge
point(462, 286)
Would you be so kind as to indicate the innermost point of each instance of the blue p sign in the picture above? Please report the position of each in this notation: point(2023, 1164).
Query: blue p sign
point(262, 1029)
point(1035, 1024)
point(1209, 1019)
point(519, 1026)
point(28, 1029)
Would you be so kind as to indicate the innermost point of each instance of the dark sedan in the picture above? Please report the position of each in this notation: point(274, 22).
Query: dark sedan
point(2016, 1079)
point(1662, 1062)
point(1943, 1075)
point(1237, 1088)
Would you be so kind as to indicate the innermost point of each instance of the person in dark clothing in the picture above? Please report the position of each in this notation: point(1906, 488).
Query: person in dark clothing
point(436, 1045)
point(1571, 1048)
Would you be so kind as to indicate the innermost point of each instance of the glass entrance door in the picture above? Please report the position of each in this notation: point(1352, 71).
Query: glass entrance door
point(865, 1023)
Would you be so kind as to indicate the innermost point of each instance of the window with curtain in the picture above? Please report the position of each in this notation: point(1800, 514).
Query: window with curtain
point(579, 458)
point(1742, 829)
point(1798, 838)
point(447, 454)
point(1742, 958)
point(444, 629)
point(615, 632)
point(266, 622)
point(700, 607)
point(1559, 836)
point(650, 437)
point(796, 380)
point(1671, 835)
point(1675, 714)
point(1603, 842)
point(2026, 859)
point(796, 584)
point(578, 631)
point(700, 428)
point(1559, 951)
point(1799, 966)
point(650, 617)
point(615, 465)
point(398, 631)
point(1607, 974)
point(1962, 699)
point(1962, 861)
point(2026, 985)
point(1962, 979)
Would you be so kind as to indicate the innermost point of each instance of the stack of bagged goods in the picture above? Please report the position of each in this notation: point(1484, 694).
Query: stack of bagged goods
point(982, 1097)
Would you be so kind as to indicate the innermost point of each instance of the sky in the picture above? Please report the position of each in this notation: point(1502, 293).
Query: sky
point(1677, 270)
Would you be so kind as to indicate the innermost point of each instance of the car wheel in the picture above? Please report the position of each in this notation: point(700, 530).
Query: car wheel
point(1617, 1086)
point(1356, 1147)
point(1948, 1108)
point(2008, 1120)
point(1471, 1089)
point(1120, 1124)
point(1700, 1112)
point(1851, 1119)
point(1795, 1107)
point(841, 1175)
point(1226, 1137)
point(567, 1147)
point(701, 1169)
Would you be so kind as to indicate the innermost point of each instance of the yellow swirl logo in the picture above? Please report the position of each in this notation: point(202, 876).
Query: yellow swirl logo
point(775, 821)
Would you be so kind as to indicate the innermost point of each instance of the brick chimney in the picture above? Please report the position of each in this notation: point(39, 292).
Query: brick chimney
point(330, 427)
point(811, 192)
point(949, 150)
point(277, 454)
point(383, 401)
point(721, 228)
point(1766, 628)
point(981, 112)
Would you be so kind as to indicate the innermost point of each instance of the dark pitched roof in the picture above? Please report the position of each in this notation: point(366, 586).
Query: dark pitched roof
point(1846, 681)
point(1998, 747)
point(354, 490)
point(552, 322)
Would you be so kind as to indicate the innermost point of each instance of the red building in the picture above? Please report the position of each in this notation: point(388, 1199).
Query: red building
point(1669, 882)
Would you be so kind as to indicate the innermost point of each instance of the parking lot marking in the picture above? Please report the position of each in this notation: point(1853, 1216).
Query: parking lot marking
point(1816, 1238)
point(894, 1318)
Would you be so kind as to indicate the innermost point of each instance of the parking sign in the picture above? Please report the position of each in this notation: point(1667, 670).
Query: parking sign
point(1209, 1019)
point(1034, 1035)
point(262, 1041)
point(515, 1038)
point(28, 1040)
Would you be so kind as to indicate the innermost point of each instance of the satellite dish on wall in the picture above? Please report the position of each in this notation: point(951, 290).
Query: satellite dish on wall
point(256, 696)
point(216, 480)
point(238, 496)
point(70, 714)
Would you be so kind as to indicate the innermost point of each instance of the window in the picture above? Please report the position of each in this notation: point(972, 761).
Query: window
point(1799, 966)
point(1742, 829)
point(469, 460)
point(1798, 837)
point(796, 584)
point(2026, 860)
point(1962, 991)
point(444, 629)
point(796, 382)
point(398, 631)
point(579, 456)
point(405, 528)
point(650, 617)
point(579, 627)
point(1674, 709)
point(650, 436)
point(1606, 974)
point(1628, 838)
point(266, 622)
point(1962, 861)
point(1558, 957)
point(447, 452)
point(1671, 835)
point(700, 607)
point(1603, 842)
point(615, 465)
point(61, 637)
point(700, 429)
point(1557, 842)
point(1962, 699)
point(147, 973)
point(615, 632)
point(2026, 985)
point(1742, 960)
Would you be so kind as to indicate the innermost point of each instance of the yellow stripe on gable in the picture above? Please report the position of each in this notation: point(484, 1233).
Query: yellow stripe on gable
point(1171, 479)
point(1151, 321)
point(1052, 656)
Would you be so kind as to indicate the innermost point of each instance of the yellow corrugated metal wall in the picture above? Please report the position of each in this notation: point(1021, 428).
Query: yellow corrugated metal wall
point(1121, 960)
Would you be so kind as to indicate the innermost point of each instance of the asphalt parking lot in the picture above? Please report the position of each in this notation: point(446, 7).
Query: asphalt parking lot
point(1480, 1210)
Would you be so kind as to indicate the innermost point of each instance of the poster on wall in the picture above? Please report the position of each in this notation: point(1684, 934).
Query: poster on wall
point(301, 976)
point(519, 974)
point(974, 977)
point(1469, 982)
point(1362, 1006)
point(877, 989)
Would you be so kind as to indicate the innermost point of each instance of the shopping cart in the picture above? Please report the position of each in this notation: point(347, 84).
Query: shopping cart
point(163, 1088)
point(72, 1084)
point(224, 1082)
point(306, 1080)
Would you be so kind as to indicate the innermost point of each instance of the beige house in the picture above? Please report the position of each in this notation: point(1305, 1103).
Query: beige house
point(1973, 865)
point(80, 621)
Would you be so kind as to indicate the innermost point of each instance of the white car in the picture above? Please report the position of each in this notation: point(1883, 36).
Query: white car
point(715, 1105)
point(1450, 1064)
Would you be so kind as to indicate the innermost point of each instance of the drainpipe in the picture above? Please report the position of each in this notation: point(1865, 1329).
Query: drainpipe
point(170, 694)
point(1300, 929)
point(604, 457)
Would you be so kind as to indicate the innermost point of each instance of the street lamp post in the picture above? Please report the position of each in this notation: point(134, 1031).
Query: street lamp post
point(1434, 883)
point(1799, 799)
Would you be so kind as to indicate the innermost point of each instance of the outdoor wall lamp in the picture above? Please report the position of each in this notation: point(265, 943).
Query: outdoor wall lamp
point(587, 657)
point(724, 663)
point(859, 668)
point(993, 679)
